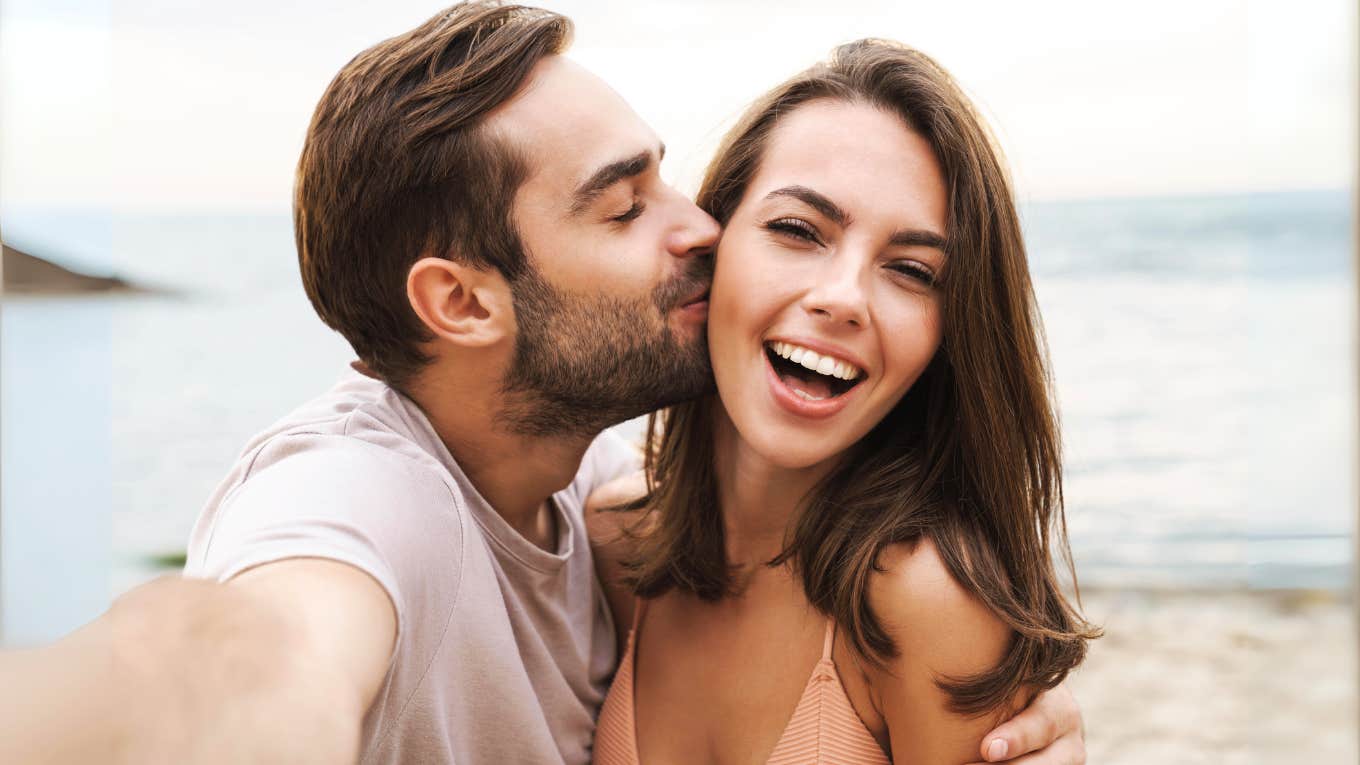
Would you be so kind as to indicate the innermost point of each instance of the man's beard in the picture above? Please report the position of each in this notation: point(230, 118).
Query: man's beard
point(585, 362)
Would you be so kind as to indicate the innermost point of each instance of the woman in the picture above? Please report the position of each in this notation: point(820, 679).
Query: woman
point(846, 558)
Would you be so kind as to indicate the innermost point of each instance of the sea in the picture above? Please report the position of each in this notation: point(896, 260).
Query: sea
point(1203, 349)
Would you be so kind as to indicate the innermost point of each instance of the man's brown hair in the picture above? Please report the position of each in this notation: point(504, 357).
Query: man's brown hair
point(397, 166)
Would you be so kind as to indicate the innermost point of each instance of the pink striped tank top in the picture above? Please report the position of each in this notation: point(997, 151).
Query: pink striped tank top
point(824, 728)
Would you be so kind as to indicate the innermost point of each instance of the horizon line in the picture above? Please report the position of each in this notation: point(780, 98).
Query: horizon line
point(9, 209)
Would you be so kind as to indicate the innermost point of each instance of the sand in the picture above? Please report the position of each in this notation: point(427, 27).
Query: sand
point(1215, 677)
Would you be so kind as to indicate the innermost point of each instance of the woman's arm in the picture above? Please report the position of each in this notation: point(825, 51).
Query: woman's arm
point(611, 546)
point(941, 631)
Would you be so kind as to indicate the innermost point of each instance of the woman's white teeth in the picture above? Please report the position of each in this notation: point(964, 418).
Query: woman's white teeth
point(826, 365)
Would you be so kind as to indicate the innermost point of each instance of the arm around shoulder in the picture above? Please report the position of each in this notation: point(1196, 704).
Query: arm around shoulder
point(610, 543)
point(942, 632)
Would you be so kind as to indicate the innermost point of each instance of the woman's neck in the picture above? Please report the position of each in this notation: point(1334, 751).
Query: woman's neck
point(759, 500)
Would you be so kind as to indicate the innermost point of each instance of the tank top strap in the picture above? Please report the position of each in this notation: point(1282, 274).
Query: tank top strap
point(830, 638)
point(639, 605)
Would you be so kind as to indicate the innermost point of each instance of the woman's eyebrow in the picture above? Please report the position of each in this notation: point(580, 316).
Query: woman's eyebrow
point(814, 199)
point(823, 204)
point(914, 237)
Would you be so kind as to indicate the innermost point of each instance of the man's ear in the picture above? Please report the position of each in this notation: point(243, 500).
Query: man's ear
point(467, 306)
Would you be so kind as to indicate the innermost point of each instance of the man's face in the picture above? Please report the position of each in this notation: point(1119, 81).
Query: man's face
point(611, 311)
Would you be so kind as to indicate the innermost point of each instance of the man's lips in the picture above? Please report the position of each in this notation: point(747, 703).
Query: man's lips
point(698, 297)
point(696, 304)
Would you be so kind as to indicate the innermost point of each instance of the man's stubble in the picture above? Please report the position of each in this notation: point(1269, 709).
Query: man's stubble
point(585, 362)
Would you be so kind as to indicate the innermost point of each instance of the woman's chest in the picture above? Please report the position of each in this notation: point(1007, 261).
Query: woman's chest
point(719, 685)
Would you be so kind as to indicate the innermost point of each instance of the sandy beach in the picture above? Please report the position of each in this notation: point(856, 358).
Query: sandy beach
point(1220, 677)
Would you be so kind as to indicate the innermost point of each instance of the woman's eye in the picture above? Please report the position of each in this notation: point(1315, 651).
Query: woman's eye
point(794, 227)
point(914, 270)
point(632, 213)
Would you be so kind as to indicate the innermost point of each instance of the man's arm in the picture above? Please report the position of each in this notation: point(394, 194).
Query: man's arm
point(277, 665)
point(1047, 732)
point(611, 546)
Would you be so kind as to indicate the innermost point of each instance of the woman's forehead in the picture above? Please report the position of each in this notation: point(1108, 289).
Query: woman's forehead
point(863, 159)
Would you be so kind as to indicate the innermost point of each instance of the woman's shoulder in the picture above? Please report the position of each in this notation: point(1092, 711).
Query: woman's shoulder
point(936, 622)
point(942, 633)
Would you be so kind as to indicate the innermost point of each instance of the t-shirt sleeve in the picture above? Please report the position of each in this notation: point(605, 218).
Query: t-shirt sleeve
point(343, 500)
point(610, 457)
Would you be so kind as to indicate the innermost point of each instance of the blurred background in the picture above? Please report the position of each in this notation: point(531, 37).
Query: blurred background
point(1185, 172)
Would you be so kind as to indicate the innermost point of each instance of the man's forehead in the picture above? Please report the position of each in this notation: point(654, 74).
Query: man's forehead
point(569, 122)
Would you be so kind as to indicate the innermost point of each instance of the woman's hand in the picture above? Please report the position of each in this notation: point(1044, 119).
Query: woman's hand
point(1047, 732)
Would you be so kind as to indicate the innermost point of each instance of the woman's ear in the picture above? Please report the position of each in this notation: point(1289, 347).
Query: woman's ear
point(467, 306)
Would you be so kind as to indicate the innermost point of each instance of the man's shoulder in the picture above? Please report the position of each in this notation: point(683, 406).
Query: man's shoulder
point(353, 460)
point(345, 477)
point(360, 422)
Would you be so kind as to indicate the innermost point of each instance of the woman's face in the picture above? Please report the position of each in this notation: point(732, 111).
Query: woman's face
point(823, 310)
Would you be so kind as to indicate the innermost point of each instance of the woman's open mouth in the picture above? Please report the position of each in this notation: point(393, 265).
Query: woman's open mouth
point(809, 383)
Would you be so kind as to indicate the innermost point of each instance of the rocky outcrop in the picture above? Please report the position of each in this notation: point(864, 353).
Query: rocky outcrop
point(29, 274)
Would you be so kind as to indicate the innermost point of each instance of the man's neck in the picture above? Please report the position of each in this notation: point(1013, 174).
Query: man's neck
point(516, 474)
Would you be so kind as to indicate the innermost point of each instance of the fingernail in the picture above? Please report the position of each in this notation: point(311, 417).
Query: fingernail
point(997, 749)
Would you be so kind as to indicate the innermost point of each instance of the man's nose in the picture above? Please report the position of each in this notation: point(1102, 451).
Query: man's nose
point(695, 234)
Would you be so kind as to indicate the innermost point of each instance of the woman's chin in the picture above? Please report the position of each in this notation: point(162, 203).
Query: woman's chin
point(791, 453)
point(779, 439)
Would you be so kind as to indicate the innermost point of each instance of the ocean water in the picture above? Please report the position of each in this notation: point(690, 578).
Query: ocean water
point(1203, 352)
point(1202, 349)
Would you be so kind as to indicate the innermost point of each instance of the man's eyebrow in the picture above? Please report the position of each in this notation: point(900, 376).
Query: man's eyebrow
point(609, 175)
point(822, 204)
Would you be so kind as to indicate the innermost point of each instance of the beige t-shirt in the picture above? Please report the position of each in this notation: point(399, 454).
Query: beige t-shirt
point(504, 650)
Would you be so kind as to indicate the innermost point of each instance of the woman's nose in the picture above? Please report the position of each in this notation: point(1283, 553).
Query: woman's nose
point(839, 295)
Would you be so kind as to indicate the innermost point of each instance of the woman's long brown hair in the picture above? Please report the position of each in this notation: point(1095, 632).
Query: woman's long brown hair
point(970, 458)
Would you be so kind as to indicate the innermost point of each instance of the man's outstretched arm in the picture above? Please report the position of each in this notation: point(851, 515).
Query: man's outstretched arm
point(277, 665)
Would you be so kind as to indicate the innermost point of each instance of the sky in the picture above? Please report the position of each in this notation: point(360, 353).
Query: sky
point(184, 106)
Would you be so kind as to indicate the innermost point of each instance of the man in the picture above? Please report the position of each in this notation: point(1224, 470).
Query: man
point(399, 569)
